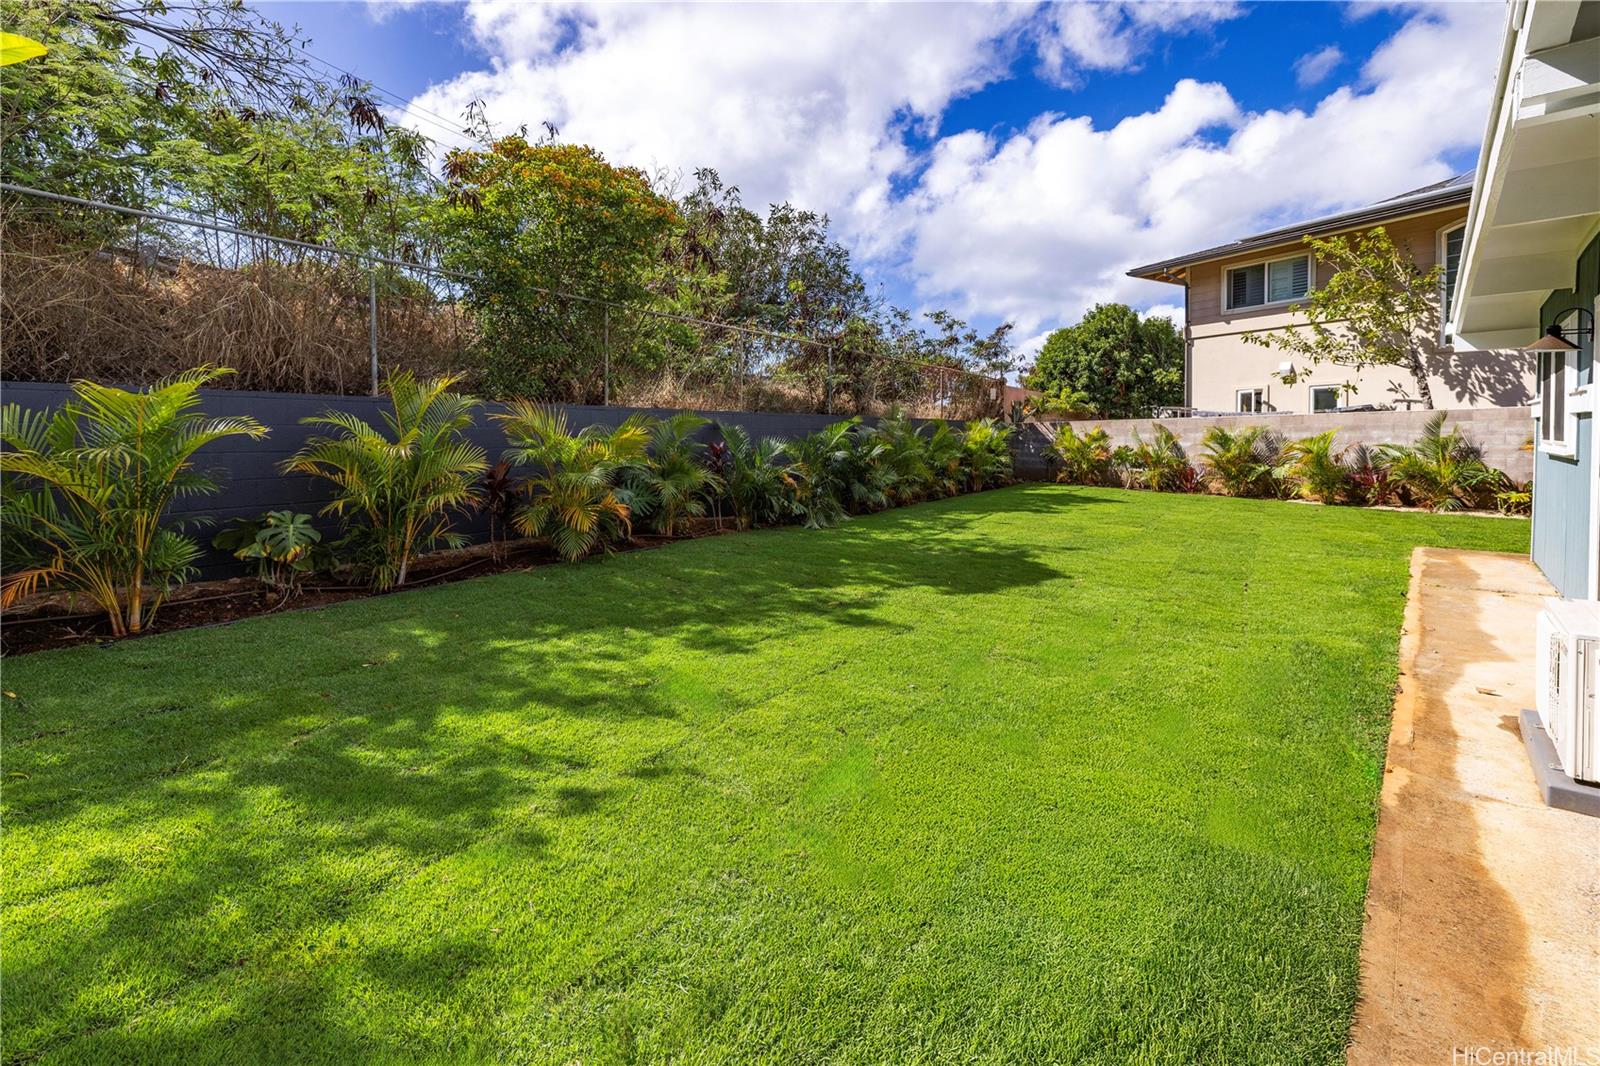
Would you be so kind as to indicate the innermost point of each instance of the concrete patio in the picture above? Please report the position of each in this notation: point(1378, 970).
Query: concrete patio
point(1483, 913)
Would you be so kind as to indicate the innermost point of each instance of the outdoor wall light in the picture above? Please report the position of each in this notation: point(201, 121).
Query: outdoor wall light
point(1555, 338)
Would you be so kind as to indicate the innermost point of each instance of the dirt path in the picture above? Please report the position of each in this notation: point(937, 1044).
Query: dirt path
point(1483, 914)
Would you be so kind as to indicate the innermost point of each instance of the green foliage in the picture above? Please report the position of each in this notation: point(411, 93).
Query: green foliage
point(757, 480)
point(86, 490)
point(1440, 471)
point(1162, 464)
point(1086, 459)
point(1246, 462)
point(285, 546)
point(1378, 309)
point(905, 454)
point(946, 456)
point(866, 473)
point(398, 490)
point(1113, 362)
point(818, 464)
point(574, 496)
point(671, 483)
point(1370, 478)
point(986, 453)
point(1317, 470)
point(1515, 498)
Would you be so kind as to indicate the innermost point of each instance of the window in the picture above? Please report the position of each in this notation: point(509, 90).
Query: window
point(1450, 256)
point(1324, 398)
point(1250, 401)
point(1275, 282)
point(1553, 388)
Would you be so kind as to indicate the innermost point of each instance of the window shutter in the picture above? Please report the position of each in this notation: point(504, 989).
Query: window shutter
point(1238, 294)
point(1301, 282)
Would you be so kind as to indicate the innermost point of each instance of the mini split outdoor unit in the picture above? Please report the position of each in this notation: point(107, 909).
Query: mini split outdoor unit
point(1568, 662)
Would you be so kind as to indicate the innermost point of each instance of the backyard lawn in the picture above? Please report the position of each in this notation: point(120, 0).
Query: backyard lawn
point(1041, 774)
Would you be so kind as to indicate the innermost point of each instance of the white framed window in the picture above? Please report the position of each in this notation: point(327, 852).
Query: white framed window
point(1560, 399)
point(1250, 401)
point(1273, 281)
point(1450, 240)
point(1325, 397)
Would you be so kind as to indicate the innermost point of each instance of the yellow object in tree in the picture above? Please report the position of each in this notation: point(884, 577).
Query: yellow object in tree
point(14, 48)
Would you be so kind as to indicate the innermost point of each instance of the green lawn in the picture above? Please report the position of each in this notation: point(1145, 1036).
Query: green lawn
point(1042, 774)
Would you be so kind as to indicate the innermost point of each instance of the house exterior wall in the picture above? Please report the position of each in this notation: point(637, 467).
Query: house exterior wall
point(1564, 487)
point(1221, 361)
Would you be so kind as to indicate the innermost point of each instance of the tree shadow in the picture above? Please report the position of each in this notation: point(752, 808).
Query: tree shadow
point(228, 797)
point(1495, 378)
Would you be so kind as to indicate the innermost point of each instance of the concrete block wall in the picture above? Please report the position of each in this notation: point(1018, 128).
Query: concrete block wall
point(1504, 433)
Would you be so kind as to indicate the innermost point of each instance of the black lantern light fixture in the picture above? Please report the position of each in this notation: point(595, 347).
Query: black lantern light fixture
point(1556, 339)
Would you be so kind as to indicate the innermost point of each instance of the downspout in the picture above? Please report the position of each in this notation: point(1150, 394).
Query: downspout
point(1188, 347)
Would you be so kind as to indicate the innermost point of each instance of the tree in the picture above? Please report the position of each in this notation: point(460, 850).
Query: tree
point(1116, 363)
point(1378, 309)
point(530, 222)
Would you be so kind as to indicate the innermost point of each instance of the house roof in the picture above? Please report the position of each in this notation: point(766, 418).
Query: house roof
point(1440, 194)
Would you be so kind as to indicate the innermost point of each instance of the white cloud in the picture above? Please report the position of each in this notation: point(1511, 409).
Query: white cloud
point(1313, 68)
point(1112, 36)
point(1040, 225)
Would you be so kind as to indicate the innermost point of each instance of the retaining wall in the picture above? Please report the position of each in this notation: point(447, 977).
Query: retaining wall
point(1502, 432)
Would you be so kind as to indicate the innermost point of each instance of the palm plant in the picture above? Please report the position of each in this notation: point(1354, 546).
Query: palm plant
point(866, 475)
point(1085, 460)
point(670, 483)
point(944, 454)
point(817, 465)
point(1441, 471)
point(986, 453)
point(1317, 470)
point(1250, 462)
point(905, 453)
point(399, 490)
point(574, 498)
point(756, 478)
point(85, 490)
point(1370, 478)
point(1162, 464)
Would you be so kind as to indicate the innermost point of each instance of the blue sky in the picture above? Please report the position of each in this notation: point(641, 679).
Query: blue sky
point(1007, 161)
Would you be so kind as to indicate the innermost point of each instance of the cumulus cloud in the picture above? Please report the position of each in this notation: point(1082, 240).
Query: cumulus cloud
point(1313, 68)
point(838, 108)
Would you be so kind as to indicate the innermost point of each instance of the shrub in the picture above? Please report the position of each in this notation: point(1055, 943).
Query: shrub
point(817, 464)
point(671, 483)
point(1317, 470)
point(905, 453)
point(1514, 497)
point(286, 548)
point(86, 489)
point(573, 495)
point(986, 453)
point(1370, 479)
point(756, 478)
point(866, 474)
point(1162, 464)
point(1250, 462)
point(944, 457)
point(1085, 460)
point(398, 491)
point(1440, 471)
point(499, 494)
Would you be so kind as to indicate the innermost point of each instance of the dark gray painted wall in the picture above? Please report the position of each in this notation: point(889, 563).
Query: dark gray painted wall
point(249, 470)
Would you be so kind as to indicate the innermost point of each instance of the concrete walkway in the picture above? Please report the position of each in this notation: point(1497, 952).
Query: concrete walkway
point(1483, 914)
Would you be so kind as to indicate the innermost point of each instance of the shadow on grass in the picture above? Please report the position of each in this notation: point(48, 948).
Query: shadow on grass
point(306, 764)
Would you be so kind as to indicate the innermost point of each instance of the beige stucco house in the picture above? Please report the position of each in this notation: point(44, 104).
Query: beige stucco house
point(1250, 285)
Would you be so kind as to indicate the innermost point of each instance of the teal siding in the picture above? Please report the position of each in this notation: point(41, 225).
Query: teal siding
point(1562, 487)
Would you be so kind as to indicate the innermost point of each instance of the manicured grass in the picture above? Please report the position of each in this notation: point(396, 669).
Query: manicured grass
point(1043, 774)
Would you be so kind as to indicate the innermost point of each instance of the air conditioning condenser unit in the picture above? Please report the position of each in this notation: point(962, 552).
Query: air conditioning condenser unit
point(1568, 656)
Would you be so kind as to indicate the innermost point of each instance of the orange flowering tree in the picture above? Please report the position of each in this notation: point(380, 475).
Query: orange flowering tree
point(531, 222)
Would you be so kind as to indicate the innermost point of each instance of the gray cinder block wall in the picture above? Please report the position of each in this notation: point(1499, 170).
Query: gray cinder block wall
point(1504, 433)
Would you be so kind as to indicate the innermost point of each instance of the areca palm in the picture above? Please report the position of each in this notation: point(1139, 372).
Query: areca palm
point(86, 489)
point(905, 453)
point(1318, 471)
point(986, 453)
point(757, 480)
point(1249, 462)
point(402, 488)
point(573, 494)
point(1085, 460)
point(670, 483)
point(944, 455)
point(816, 465)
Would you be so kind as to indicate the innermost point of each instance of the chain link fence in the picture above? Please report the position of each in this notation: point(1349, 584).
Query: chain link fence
point(94, 290)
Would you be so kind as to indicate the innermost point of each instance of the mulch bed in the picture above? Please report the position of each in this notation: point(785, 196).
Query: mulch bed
point(60, 621)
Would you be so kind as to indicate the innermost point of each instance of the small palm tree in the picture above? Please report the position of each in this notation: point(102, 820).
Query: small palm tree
point(986, 453)
point(1370, 478)
point(86, 489)
point(1085, 460)
point(944, 456)
point(401, 488)
point(1318, 472)
point(1441, 471)
point(905, 454)
point(1162, 464)
point(866, 475)
point(816, 465)
point(574, 498)
point(671, 484)
point(757, 480)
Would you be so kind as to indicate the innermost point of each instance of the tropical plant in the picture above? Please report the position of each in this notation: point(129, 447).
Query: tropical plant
point(285, 546)
point(986, 453)
point(1249, 462)
point(1162, 464)
point(398, 491)
point(865, 473)
point(499, 491)
point(1317, 471)
point(756, 478)
point(574, 496)
point(670, 484)
point(1370, 478)
point(85, 490)
point(1440, 471)
point(1085, 460)
point(817, 464)
point(905, 454)
point(1514, 497)
point(1114, 363)
point(945, 455)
